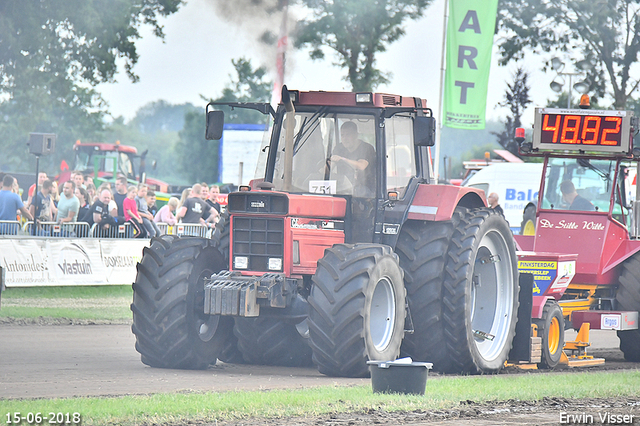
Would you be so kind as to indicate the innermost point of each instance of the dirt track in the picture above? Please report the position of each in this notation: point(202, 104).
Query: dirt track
point(100, 360)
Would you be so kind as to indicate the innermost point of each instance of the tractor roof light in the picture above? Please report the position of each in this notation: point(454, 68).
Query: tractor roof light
point(364, 98)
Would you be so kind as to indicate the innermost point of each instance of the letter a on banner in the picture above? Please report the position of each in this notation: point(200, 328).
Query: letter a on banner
point(469, 41)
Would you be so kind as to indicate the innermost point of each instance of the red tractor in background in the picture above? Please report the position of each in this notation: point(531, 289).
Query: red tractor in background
point(106, 161)
point(586, 208)
point(336, 265)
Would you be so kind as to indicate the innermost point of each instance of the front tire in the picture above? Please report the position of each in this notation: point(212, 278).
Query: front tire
point(628, 299)
point(551, 329)
point(480, 296)
point(357, 309)
point(171, 328)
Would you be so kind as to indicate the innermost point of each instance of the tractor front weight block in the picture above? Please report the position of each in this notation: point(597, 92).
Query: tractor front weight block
point(231, 293)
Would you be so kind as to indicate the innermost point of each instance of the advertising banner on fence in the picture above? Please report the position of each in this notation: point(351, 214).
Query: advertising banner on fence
point(469, 40)
point(41, 262)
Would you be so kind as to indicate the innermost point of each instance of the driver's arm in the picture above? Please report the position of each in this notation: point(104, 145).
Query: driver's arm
point(360, 164)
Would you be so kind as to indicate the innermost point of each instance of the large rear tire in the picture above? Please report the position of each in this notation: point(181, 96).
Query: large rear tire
point(357, 309)
point(551, 329)
point(480, 296)
point(171, 328)
point(628, 299)
point(270, 341)
point(422, 250)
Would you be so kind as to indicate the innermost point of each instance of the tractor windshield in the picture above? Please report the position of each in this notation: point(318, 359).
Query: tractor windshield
point(332, 154)
point(579, 184)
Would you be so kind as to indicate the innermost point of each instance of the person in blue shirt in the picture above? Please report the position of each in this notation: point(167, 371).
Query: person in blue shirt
point(10, 204)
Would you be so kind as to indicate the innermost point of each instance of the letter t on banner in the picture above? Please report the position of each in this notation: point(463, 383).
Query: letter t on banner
point(469, 40)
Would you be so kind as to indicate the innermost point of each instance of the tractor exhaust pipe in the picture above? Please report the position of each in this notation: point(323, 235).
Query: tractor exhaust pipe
point(290, 123)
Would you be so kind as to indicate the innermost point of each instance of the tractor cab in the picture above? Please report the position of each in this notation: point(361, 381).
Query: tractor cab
point(585, 204)
point(106, 160)
point(370, 150)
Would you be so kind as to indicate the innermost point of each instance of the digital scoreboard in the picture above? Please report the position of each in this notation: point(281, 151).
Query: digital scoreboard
point(582, 130)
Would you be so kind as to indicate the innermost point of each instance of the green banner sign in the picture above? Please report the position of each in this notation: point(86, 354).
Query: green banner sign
point(469, 41)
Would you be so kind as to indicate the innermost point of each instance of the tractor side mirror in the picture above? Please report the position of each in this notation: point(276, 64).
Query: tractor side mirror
point(424, 131)
point(215, 123)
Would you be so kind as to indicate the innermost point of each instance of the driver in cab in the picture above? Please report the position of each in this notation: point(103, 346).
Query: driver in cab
point(574, 200)
point(355, 159)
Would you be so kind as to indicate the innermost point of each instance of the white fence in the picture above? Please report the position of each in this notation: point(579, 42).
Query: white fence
point(13, 229)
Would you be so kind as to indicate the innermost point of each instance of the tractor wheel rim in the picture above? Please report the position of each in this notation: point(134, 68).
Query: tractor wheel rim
point(553, 338)
point(491, 295)
point(382, 316)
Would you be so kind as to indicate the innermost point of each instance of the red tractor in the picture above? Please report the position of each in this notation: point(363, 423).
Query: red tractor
point(586, 207)
point(344, 251)
point(105, 161)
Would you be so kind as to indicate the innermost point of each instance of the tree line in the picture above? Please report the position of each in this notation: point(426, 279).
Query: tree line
point(53, 54)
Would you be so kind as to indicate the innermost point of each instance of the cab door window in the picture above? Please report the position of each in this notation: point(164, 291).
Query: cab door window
point(400, 152)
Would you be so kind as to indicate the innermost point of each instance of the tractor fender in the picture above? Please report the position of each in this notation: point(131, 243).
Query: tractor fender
point(538, 305)
point(438, 202)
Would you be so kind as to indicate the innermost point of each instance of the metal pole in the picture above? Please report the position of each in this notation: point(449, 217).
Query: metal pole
point(569, 93)
point(34, 199)
point(436, 166)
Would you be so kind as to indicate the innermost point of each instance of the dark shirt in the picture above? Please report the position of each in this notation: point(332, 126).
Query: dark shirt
point(83, 212)
point(196, 208)
point(581, 204)
point(213, 204)
point(499, 209)
point(43, 207)
point(119, 199)
point(365, 177)
point(97, 207)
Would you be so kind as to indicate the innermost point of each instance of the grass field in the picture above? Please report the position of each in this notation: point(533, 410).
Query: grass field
point(102, 303)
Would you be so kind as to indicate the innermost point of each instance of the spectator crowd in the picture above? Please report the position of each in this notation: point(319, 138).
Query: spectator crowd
point(79, 203)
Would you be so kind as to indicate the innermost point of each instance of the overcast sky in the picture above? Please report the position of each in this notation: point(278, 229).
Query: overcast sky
point(195, 59)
